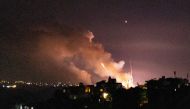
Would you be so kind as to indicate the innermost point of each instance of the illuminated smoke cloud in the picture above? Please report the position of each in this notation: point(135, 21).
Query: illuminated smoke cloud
point(76, 52)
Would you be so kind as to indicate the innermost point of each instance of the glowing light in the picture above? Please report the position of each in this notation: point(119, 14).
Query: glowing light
point(74, 97)
point(102, 64)
point(22, 82)
point(64, 90)
point(105, 95)
point(11, 86)
point(101, 90)
point(28, 83)
point(125, 78)
point(87, 90)
point(85, 106)
point(126, 21)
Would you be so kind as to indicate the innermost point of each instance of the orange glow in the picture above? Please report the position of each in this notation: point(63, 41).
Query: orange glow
point(68, 52)
point(112, 70)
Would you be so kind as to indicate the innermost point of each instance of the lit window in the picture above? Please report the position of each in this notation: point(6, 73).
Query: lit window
point(87, 90)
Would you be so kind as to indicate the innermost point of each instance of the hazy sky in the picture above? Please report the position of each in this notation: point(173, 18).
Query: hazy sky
point(156, 37)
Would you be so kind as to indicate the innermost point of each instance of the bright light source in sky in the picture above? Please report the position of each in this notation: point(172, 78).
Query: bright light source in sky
point(126, 21)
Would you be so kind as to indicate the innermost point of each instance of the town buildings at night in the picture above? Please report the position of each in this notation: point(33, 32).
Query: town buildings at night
point(164, 93)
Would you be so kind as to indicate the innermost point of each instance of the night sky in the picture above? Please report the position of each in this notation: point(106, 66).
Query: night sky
point(153, 35)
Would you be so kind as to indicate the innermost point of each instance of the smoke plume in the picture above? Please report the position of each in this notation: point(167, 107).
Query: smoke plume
point(75, 51)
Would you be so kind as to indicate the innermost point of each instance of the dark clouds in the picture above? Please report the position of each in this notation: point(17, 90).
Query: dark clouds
point(156, 37)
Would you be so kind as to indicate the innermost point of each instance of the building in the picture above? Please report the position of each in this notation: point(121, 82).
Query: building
point(165, 93)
